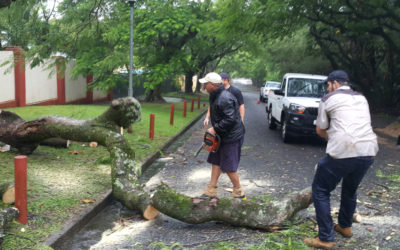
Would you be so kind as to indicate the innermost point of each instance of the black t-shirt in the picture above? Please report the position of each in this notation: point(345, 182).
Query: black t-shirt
point(237, 93)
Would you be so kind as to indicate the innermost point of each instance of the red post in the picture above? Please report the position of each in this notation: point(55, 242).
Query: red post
point(19, 74)
point(152, 118)
point(171, 119)
point(198, 102)
point(184, 108)
point(192, 107)
point(20, 179)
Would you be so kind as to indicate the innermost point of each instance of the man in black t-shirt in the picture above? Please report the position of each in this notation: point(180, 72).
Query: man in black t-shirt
point(235, 91)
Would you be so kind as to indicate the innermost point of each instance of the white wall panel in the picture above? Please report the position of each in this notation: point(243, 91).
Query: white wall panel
point(41, 84)
point(99, 94)
point(7, 77)
point(75, 89)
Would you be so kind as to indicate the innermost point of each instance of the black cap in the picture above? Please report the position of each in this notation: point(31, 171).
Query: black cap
point(224, 76)
point(338, 75)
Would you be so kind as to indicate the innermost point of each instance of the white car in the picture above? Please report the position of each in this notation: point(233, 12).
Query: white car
point(264, 91)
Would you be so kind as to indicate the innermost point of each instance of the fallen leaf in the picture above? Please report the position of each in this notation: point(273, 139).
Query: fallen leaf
point(369, 229)
point(88, 201)
point(93, 144)
point(388, 238)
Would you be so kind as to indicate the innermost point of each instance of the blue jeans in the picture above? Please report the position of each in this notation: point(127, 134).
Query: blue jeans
point(329, 173)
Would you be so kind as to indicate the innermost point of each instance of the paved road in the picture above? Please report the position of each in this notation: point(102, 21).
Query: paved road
point(267, 166)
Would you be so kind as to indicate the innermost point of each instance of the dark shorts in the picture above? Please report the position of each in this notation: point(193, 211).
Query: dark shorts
point(227, 157)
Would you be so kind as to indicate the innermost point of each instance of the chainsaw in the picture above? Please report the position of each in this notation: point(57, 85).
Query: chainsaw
point(210, 143)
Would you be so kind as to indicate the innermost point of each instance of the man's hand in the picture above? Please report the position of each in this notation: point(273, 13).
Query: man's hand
point(211, 131)
point(205, 122)
point(322, 133)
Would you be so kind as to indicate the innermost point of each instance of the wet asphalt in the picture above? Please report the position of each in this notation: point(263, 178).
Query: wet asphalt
point(268, 166)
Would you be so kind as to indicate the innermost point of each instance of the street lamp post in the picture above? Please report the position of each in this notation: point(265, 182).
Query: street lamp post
point(130, 89)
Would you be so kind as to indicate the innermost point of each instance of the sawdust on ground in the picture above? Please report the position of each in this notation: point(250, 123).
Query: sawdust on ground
point(392, 129)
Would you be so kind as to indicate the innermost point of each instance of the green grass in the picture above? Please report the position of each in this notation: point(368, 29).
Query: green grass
point(61, 183)
point(188, 97)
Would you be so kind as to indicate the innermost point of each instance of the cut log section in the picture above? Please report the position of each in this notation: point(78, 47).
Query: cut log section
point(7, 192)
point(56, 142)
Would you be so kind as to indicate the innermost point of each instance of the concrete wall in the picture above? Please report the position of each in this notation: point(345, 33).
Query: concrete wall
point(75, 88)
point(7, 78)
point(41, 83)
point(99, 95)
point(22, 85)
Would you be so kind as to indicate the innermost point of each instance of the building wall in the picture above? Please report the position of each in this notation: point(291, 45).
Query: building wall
point(75, 88)
point(99, 95)
point(41, 84)
point(7, 78)
point(47, 84)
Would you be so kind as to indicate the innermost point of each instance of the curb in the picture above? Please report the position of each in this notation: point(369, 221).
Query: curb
point(80, 220)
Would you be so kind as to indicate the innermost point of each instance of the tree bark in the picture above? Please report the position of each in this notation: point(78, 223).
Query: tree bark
point(258, 214)
point(7, 192)
point(189, 82)
point(154, 95)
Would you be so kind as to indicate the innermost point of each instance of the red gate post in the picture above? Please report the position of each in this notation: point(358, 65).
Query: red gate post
point(152, 118)
point(171, 119)
point(192, 107)
point(184, 108)
point(20, 179)
point(198, 102)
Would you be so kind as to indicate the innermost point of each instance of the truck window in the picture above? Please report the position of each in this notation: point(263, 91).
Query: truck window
point(283, 87)
point(306, 87)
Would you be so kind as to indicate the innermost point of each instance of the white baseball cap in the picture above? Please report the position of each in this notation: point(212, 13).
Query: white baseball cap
point(211, 77)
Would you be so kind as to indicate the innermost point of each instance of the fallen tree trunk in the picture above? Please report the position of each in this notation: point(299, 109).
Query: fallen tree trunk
point(254, 214)
point(7, 192)
point(25, 136)
point(7, 216)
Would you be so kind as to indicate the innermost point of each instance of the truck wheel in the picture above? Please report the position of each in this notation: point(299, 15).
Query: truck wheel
point(271, 120)
point(261, 98)
point(284, 133)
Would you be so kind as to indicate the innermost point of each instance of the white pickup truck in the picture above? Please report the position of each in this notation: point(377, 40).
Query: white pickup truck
point(295, 105)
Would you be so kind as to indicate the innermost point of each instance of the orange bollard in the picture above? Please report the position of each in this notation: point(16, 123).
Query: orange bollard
point(258, 102)
point(152, 119)
point(198, 102)
point(20, 179)
point(192, 107)
point(171, 119)
point(184, 108)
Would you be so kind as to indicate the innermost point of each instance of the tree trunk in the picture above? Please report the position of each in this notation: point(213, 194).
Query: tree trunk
point(7, 192)
point(124, 173)
point(154, 95)
point(259, 214)
point(189, 82)
point(7, 216)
